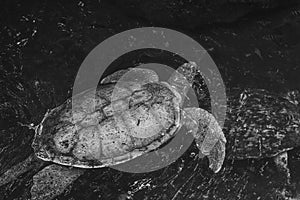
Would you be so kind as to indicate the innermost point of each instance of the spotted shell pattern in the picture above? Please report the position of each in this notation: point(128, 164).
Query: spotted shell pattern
point(260, 124)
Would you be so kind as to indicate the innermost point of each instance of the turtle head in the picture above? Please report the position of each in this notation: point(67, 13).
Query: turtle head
point(182, 79)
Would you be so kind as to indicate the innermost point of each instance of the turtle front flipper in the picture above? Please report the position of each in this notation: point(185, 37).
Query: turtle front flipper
point(52, 181)
point(208, 135)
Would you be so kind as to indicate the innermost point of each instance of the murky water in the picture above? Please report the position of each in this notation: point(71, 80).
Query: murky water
point(43, 45)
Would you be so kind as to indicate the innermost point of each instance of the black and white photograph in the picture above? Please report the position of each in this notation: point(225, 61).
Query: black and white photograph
point(150, 100)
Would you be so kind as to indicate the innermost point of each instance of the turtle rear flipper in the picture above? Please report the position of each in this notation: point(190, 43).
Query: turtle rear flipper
point(30, 163)
point(52, 181)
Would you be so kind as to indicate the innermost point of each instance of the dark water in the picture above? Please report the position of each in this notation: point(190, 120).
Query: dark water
point(43, 44)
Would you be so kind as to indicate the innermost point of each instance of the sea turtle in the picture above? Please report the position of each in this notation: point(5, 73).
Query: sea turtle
point(134, 114)
point(261, 124)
